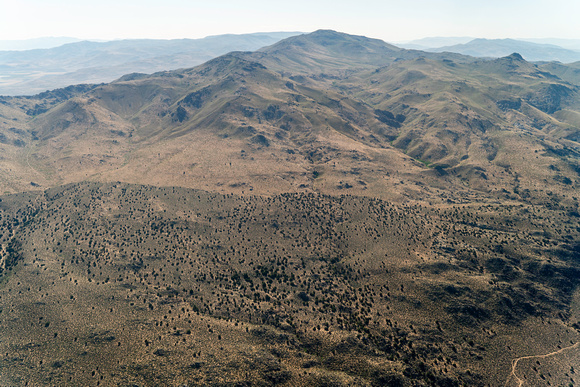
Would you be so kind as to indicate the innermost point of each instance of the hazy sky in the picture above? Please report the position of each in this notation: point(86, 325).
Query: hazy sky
point(390, 20)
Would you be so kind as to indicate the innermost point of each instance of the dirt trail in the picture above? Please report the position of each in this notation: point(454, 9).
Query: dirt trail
point(520, 382)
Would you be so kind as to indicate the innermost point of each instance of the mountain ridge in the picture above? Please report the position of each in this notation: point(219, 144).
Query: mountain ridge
point(181, 101)
point(501, 47)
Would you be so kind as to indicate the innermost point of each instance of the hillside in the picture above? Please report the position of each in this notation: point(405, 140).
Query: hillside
point(328, 210)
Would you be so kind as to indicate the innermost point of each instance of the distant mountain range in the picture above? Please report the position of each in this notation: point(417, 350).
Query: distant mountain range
point(541, 50)
point(496, 48)
point(441, 41)
point(29, 72)
point(433, 42)
point(570, 44)
point(37, 43)
point(34, 71)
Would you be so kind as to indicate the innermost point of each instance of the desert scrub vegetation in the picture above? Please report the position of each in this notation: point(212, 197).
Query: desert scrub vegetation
point(292, 289)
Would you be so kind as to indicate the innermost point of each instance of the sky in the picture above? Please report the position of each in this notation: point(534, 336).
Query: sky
point(389, 20)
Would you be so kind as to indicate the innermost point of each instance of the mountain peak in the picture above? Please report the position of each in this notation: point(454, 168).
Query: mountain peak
point(331, 36)
point(516, 56)
point(322, 51)
point(334, 40)
point(323, 32)
point(225, 64)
